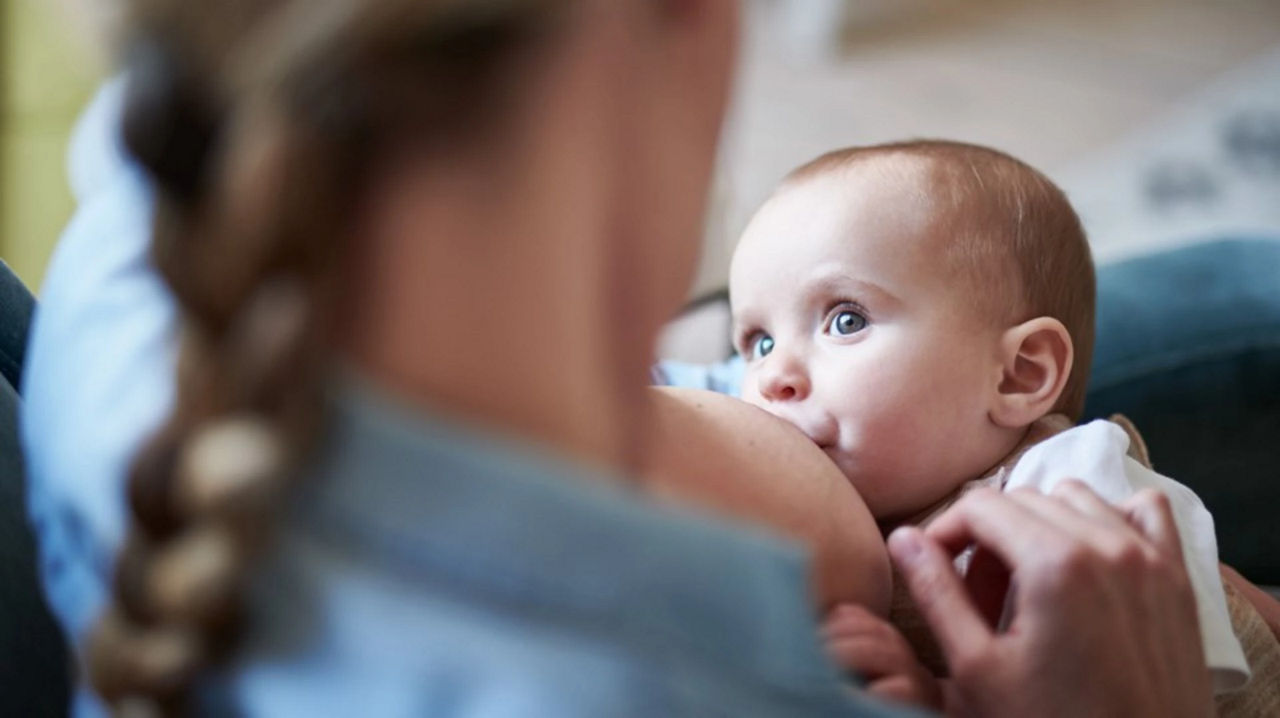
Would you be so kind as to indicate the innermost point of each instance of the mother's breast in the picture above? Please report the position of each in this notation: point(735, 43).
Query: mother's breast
point(719, 453)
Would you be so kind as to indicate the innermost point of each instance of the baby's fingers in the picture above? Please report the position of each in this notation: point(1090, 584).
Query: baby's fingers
point(867, 656)
point(870, 646)
point(922, 690)
point(850, 618)
point(867, 644)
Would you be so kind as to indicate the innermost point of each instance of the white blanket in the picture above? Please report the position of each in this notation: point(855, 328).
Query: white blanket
point(1096, 454)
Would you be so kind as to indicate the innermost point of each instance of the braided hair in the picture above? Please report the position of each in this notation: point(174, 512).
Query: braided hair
point(261, 122)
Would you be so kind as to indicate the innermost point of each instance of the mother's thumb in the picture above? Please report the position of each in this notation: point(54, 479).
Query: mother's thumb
point(939, 594)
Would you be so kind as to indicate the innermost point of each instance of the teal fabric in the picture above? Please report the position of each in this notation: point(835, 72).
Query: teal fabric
point(1188, 347)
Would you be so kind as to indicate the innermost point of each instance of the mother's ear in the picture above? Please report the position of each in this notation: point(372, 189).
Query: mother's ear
point(1035, 359)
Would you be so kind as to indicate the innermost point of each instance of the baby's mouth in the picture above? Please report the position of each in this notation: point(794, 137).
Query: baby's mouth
point(824, 433)
point(829, 443)
point(822, 439)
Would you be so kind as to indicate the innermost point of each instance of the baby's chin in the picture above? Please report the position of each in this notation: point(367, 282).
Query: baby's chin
point(852, 465)
point(846, 463)
point(866, 471)
point(881, 493)
point(857, 475)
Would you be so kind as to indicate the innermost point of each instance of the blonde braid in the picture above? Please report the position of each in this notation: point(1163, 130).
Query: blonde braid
point(204, 488)
point(250, 228)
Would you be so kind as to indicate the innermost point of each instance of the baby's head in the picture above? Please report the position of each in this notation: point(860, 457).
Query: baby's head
point(914, 308)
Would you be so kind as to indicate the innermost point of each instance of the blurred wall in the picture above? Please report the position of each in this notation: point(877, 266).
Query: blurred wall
point(48, 73)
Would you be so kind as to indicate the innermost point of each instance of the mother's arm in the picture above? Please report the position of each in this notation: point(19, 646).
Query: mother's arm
point(721, 454)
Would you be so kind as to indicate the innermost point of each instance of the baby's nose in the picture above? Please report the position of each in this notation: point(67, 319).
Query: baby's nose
point(784, 379)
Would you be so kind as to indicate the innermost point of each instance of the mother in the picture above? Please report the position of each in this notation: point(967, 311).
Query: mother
point(485, 210)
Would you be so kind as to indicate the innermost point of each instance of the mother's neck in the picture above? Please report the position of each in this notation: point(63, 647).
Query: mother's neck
point(479, 291)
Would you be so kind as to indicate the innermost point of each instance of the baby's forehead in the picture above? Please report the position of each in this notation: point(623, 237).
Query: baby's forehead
point(901, 171)
point(892, 218)
point(905, 188)
point(898, 199)
point(862, 216)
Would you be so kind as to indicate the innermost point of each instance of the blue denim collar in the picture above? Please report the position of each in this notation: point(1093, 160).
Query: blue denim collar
point(463, 509)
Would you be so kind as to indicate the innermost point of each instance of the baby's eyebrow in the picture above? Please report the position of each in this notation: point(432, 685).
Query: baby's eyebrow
point(740, 317)
point(840, 279)
point(740, 324)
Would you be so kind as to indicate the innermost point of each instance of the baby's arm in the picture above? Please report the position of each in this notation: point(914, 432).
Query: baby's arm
point(862, 642)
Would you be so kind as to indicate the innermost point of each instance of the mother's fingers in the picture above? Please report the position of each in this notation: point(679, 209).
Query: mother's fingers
point(996, 522)
point(1067, 517)
point(939, 594)
point(1078, 494)
point(1086, 520)
point(1149, 511)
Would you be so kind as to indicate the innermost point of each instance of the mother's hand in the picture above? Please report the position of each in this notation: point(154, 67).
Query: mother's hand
point(1103, 623)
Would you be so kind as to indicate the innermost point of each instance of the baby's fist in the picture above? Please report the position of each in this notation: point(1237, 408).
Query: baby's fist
point(860, 641)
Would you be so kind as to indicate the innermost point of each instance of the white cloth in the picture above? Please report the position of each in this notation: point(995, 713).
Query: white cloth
point(1096, 454)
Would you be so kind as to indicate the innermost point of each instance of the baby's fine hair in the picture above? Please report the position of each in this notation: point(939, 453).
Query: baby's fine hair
point(1012, 235)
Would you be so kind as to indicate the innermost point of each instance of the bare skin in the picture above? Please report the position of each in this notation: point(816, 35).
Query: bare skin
point(722, 454)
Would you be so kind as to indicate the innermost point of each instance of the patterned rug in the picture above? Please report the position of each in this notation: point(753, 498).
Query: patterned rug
point(1209, 167)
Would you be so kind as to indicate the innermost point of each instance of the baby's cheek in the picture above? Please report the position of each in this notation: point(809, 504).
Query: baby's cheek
point(884, 412)
point(901, 461)
point(750, 395)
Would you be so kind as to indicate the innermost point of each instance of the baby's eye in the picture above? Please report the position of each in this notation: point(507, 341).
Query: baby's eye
point(846, 322)
point(759, 346)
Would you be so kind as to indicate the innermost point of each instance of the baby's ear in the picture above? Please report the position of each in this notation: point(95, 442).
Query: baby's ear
point(1036, 361)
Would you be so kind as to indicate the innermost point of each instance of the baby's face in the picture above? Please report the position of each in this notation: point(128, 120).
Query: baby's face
point(854, 331)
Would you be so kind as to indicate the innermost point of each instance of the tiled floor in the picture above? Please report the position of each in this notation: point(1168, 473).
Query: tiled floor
point(1059, 83)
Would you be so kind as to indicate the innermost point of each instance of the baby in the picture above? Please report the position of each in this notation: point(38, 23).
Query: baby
point(924, 312)
point(914, 308)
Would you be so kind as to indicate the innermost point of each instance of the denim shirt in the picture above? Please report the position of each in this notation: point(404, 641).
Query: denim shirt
point(427, 568)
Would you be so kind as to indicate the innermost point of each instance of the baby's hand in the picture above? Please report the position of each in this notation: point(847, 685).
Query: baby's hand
point(860, 641)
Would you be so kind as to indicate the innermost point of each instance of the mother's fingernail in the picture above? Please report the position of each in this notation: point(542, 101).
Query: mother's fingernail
point(905, 544)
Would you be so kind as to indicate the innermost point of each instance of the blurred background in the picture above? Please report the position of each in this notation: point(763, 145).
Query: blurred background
point(1161, 118)
point(48, 68)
